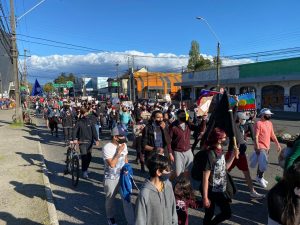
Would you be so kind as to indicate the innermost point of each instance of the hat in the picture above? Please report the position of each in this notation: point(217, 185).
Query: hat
point(118, 131)
point(265, 111)
point(242, 115)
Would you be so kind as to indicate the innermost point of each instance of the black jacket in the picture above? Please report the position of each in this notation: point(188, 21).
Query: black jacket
point(148, 136)
point(67, 118)
point(84, 131)
point(94, 117)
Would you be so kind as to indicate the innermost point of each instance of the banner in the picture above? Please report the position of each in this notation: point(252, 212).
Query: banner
point(246, 102)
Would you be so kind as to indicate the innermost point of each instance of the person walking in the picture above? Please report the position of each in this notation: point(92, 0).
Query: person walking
point(85, 134)
point(67, 120)
point(115, 156)
point(155, 137)
point(156, 204)
point(138, 128)
point(264, 133)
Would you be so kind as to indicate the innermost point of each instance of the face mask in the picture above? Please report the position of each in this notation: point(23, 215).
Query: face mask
point(122, 140)
point(267, 117)
point(225, 143)
point(297, 191)
point(158, 122)
point(164, 177)
point(243, 122)
point(182, 118)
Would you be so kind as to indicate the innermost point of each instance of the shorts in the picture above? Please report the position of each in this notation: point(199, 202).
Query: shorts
point(241, 163)
point(183, 161)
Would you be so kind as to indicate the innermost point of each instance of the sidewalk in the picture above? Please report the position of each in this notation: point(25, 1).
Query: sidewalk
point(22, 197)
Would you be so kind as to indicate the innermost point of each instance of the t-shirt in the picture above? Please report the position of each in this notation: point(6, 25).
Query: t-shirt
point(158, 139)
point(264, 129)
point(125, 117)
point(217, 166)
point(109, 151)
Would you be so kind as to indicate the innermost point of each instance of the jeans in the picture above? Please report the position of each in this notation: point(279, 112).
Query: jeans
point(68, 134)
point(97, 130)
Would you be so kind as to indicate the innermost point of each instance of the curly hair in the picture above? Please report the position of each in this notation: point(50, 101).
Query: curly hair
point(183, 189)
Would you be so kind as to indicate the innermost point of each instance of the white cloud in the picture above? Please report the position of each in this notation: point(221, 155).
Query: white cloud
point(104, 64)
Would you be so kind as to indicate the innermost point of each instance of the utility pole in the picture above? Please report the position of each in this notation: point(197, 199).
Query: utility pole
point(25, 70)
point(133, 80)
point(18, 109)
point(1, 85)
point(117, 67)
point(218, 66)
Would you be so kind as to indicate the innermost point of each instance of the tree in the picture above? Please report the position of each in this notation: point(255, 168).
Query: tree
point(196, 60)
point(48, 87)
point(63, 78)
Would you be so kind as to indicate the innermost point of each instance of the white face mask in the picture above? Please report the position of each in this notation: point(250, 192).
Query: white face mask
point(243, 122)
point(297, 191)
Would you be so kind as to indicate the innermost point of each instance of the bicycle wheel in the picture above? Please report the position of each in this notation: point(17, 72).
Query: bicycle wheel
point(68, 161)
point(14, 118)
point(75, 170)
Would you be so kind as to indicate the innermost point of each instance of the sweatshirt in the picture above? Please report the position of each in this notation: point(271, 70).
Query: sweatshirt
point(154, 207)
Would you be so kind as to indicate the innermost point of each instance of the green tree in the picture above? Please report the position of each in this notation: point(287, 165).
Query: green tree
point(63, 78)
point(196, 60)
point(48, 87)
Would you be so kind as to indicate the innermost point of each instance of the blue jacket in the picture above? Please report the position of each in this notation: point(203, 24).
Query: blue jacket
point(126, 182)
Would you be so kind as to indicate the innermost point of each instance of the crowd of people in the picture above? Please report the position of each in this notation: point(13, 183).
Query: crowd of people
point(7, 103)
point(161, 136)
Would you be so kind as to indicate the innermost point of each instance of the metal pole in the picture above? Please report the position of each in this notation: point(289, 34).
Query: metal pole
point(218, 66)
point(117, 65)
point(133, 80)
point(1, 85)
point(18, 109)
point(25, 70)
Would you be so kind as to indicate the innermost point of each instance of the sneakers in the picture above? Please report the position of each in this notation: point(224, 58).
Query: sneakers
point(85, 175)
point(261, 182)
point(111, 221)
point(267, 182)
point(254, 194)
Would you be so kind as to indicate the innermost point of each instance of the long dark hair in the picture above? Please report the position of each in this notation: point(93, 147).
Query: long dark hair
point(183, 189)
point(291, 211)
point(153, 115)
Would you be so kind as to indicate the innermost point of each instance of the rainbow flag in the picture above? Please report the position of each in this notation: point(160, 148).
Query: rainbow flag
point(246, 102)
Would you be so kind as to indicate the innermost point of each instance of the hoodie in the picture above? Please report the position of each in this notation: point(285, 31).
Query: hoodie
point(154, 207)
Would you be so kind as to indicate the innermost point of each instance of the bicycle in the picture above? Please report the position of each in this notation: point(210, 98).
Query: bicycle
point(72, 164)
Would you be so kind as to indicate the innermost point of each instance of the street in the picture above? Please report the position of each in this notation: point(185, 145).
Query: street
point(85, 203)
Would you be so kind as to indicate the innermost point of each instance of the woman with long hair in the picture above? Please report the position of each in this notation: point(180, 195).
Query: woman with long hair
point(284, 198)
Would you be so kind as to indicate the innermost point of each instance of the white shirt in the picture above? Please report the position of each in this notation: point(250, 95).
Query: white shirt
point(109, 151)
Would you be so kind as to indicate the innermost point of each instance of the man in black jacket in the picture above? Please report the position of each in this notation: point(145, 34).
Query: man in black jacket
point(155, 136)
point(84, 134)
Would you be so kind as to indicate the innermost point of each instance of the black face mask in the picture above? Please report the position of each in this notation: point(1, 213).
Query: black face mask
point(267, 117)
point(182, 118)
point(164, 177)
point(158, 122)
point(225, 143)
point(121, 141)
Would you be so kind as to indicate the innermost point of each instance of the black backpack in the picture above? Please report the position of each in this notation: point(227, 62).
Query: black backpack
point(198, 165)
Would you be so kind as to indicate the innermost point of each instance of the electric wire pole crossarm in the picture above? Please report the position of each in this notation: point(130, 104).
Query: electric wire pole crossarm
point(218, 49)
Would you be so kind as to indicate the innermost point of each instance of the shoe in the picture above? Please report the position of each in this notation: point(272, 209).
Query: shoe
point(85, 175)
point(267, 182)
point(111, 221)
point(254, 194)
point(261, 182)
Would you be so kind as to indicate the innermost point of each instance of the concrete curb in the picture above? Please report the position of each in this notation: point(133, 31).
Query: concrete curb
point(48, 190)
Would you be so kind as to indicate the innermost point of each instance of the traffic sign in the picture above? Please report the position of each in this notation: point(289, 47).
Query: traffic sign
point(69, 84)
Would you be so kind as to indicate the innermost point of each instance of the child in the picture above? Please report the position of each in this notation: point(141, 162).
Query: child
point(185, 198)
point(156, 202)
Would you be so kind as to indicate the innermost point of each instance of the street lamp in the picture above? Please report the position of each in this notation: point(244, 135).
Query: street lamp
point(218, 50)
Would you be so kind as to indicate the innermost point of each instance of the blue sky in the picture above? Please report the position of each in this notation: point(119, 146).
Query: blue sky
point(155, 26)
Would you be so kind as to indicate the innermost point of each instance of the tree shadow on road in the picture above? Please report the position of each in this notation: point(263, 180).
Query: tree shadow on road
point(9, 219)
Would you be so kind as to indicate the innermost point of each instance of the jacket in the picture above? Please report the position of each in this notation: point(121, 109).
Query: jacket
point(148, 136)
point(154, 207)
point(67, 118)
point(180, 139)
point(84, 131)
point(126, 182)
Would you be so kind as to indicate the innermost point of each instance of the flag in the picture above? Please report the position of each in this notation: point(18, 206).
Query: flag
point(204, 105)
point(37, 89)
point(221, 117)
point(206, 93)
point(246, 102)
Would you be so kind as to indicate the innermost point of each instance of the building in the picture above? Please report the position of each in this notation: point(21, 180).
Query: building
point(92, 85)
point(150, 84)
point(276, 83)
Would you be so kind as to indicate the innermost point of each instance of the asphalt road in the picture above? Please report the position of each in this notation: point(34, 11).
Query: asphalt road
point(85, 203)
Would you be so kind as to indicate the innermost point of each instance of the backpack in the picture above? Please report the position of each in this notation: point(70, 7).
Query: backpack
point(198, 165)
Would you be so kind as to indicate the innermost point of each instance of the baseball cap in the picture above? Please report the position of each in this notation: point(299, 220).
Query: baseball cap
point(118, 131)
point(242, 115)
point(265, 111)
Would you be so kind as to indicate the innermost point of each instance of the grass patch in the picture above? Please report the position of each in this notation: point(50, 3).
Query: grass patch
point(16, 125)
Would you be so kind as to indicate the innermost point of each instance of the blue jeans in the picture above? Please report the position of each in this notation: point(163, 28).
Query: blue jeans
point(97, 130)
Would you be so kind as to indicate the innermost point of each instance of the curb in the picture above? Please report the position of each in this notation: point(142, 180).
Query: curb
point(49, 195)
